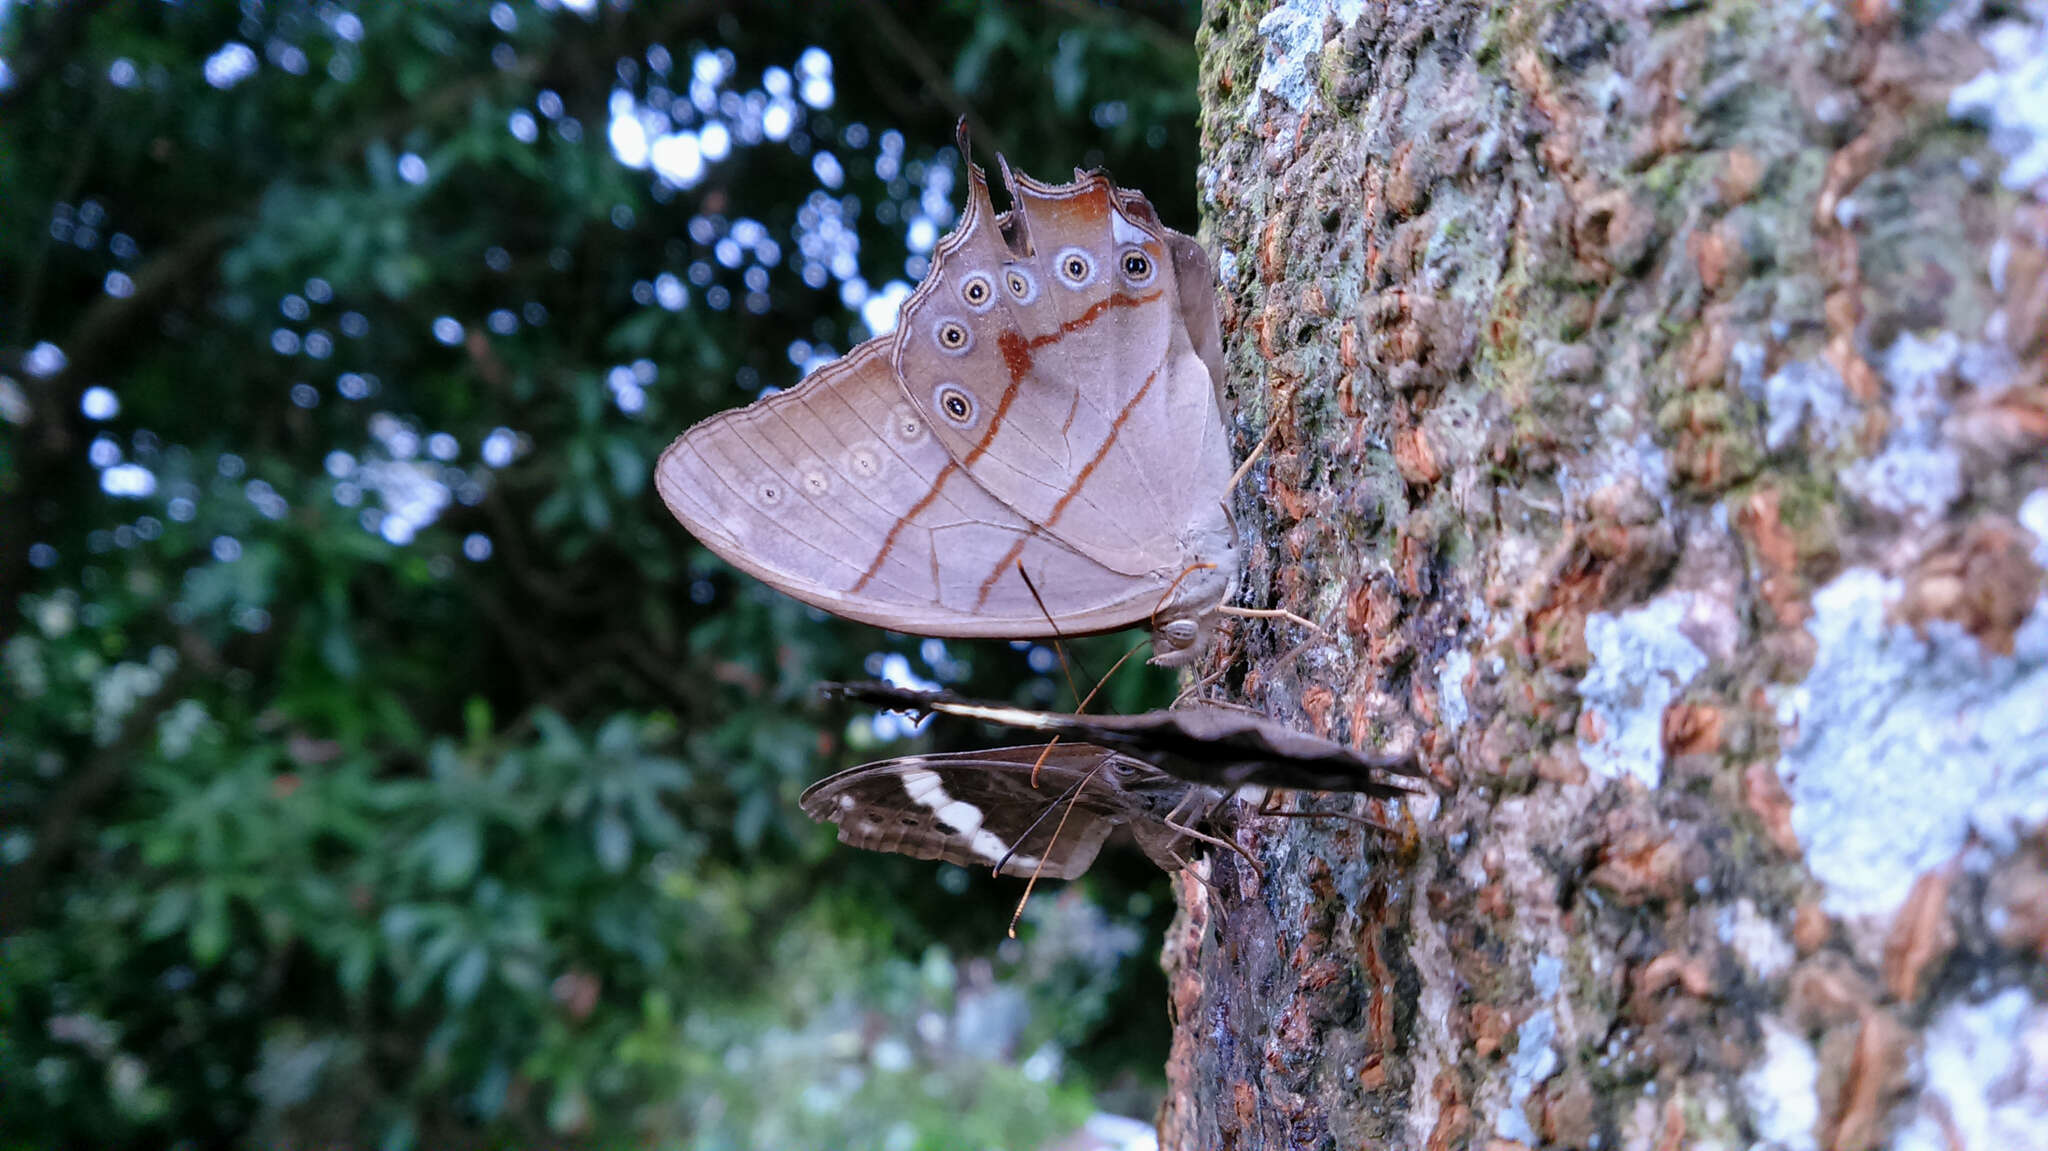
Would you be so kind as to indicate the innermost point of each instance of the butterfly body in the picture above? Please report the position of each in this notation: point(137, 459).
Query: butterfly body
point(1049, 403)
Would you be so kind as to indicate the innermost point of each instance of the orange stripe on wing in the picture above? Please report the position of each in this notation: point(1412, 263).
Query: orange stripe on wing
point(1080, 480)
point(1017, 358)
point(1108, 442)
point(1002, 565)
point(1094, 313)
point(916, 509)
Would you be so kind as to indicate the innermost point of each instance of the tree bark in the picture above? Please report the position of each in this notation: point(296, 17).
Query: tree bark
point(1661, 433)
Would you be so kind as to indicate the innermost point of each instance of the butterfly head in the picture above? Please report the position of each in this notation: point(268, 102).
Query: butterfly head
point(1184, 624)
point(1179, 642)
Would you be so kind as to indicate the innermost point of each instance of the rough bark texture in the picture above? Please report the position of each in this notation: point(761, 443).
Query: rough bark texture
point(1661, 434)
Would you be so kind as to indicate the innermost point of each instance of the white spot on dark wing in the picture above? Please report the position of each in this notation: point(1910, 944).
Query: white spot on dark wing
point(920, 783)
point(961, 816)
point(1005, 716)
point(926, 789)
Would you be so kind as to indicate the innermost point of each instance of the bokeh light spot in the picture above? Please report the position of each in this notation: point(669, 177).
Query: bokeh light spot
point(232, 64)
point(99, 403)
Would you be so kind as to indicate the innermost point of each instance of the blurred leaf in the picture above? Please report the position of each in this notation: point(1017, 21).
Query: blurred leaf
point(613, 841)
point(451, 849)
point(168, 912)
point(208, 936)
point(414, 725)
point(466, 975)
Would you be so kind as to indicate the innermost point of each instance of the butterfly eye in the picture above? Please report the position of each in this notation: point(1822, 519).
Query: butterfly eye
point(953, 336)
point(1075, 267)
point(956, 405)
point(771, 494)
point(1137, 266)
point(1020, 284)
point(977, 292)
point(908, 427)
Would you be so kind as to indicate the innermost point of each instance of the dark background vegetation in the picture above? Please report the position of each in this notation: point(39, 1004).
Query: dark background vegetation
point(381, 765)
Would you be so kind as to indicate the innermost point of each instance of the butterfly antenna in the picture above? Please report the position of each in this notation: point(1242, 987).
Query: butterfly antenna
point(1047, 853)
point(1083, 705)
point(1033, 825)
point(1059, 647)
point(1059, 639)
point(1106, 676)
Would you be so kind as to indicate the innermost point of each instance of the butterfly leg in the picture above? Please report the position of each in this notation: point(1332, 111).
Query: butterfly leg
point(1178, 827)
point(1267, 808)
point(1272, 613)
point(1215, 898)
point(1194, 690)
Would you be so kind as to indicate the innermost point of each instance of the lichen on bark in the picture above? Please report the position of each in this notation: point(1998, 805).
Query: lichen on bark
point(1645, 381)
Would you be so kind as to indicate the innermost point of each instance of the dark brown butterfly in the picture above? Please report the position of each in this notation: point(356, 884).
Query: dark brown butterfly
point(1209, 744)
point(1168, 773)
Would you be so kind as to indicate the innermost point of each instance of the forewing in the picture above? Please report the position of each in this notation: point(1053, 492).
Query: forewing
point(1221, 747)
point(1089, 407)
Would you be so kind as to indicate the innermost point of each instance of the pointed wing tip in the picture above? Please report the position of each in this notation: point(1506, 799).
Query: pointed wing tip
point(1009, 180)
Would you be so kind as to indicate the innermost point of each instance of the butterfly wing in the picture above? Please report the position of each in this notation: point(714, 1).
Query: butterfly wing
point(1215, 746)
point(1050, 351)
point(837, 492)
point(978, 809)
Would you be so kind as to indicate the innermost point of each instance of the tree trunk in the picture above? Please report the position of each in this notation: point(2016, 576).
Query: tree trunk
point(1660, 408)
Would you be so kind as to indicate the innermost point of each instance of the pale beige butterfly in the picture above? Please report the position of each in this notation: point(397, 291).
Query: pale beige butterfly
point(1050, 399)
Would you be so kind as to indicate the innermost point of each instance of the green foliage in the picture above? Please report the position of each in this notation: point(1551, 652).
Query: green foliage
point(381, 766)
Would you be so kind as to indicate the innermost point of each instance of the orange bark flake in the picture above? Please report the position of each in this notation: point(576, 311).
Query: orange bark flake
point(1921, 936)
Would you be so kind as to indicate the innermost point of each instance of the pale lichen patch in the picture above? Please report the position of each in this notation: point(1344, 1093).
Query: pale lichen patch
point(2033, 516)
point(1917, 475)
point(1755, 939)
point(2011, 98)
point(1450, 688)
point(1535, 1059)
point(1899, 746)
point(1293, 34)
point(1808, 394)
point(1641, 660)
point(1782, 1089)
point(1986, 1078)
